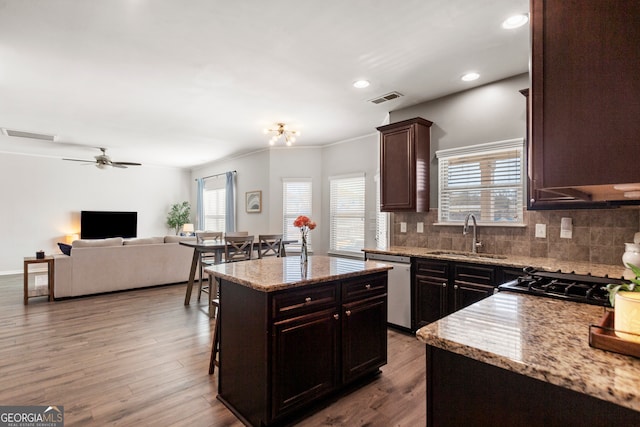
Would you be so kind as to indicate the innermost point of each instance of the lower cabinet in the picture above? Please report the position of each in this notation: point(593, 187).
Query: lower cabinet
point(282, 351)
point(305, 360)
point(441, 287)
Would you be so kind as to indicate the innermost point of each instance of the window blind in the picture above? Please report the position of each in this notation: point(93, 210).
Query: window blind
point(213, 200)
point(382, 220)
point(296, 200)
point(486, 180)
point(347, 213)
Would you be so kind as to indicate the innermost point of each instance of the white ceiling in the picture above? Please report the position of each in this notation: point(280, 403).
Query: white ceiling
point(182, 83)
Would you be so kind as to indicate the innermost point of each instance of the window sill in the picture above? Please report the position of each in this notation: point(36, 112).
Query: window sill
point(483, 224)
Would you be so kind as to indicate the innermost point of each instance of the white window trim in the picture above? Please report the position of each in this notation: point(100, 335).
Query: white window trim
point(487, 148)
point(295, 247)
point(353, 254)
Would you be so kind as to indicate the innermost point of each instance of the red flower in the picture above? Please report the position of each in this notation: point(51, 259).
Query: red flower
point(304, 221)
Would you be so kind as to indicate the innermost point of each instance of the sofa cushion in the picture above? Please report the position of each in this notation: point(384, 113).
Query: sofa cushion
point(176, 239)
point(64, 248)
point(144, 241)
point(89, 243)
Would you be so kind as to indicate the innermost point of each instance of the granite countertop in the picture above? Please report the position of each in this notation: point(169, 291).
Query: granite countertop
point(542, 338)
point(548, 264)
point(273, 273)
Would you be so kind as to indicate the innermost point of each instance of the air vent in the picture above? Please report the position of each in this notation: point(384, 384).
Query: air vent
point(385, 98)
point(32, 135)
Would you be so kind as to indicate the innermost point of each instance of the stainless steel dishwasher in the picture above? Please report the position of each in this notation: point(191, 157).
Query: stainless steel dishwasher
point(399, 288)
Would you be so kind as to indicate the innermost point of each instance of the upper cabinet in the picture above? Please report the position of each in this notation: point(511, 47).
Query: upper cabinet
point(404, 166)
point(584, 123)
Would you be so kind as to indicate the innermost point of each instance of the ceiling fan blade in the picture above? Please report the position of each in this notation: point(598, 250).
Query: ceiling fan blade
point(80, 160)
point(126, 163)
point(118, 165)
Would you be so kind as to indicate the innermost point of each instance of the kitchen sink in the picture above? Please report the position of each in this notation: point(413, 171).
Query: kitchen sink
point(466, 254)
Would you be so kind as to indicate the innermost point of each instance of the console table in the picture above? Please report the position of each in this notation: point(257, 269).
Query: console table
point(48, 260)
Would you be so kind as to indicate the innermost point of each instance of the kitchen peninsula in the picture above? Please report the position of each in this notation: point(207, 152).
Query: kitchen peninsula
point(514, 359)
point(290, 336)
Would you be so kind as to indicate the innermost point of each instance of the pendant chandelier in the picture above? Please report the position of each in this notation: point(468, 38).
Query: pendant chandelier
point(281, 132)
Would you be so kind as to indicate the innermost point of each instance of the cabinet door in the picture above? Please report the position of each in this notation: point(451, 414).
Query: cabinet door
point(305, 363)
point(404, 166)
point(430, 300)
point(429, 291)
point(471, 283)
point(584, 105)
point(364, 337)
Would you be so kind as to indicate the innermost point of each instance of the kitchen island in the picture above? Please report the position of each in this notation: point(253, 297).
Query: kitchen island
point(515, 359)
point(291, 336)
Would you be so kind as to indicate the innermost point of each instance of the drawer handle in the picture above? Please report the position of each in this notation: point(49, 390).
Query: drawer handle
point(444, 285)
point(307, 299)
point(367, 286)
point(336, 316)
point(455, 287)
point(348, 312)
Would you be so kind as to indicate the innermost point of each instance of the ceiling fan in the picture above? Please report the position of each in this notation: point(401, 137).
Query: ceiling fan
point(103, 161)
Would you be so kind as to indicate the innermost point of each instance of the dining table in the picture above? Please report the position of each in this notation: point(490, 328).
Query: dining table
point(217, 248)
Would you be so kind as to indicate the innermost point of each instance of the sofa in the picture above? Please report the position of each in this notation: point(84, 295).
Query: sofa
point(115, 264)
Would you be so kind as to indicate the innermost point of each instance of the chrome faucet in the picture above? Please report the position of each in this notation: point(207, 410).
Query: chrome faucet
point(475, 244)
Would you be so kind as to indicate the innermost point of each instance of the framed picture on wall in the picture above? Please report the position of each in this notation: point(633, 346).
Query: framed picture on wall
point(254, 201)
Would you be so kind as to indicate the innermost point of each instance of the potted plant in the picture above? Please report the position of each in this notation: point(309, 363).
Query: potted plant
point(625, 298)
point(179, 215)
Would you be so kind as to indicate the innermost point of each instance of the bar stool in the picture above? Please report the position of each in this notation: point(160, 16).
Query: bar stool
point(206, 258)
point(214, 306)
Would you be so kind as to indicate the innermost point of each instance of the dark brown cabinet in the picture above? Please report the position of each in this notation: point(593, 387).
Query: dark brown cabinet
point(281, 351)
point(442, 287)
point(471, 283)
point(430, 291)
point(584, 128)
point(404, 166)
point(305, 359)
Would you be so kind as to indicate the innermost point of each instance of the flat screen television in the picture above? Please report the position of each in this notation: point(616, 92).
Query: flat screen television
point(104, 224)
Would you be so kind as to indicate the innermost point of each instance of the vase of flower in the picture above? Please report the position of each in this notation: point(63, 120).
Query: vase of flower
point(305, 224)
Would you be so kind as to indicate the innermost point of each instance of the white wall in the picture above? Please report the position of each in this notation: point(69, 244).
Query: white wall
point(42, 199)
point(353, 156)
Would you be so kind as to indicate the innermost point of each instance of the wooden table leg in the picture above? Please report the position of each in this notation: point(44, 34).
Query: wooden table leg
point(26, 283)
point(192, 275)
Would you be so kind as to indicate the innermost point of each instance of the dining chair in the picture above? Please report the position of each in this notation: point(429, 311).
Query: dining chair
point(236, 234)
point(270, 245)
point(238, 248)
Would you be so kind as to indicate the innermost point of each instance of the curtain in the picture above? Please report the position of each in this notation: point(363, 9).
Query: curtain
point(200, 205)
point(230, 205)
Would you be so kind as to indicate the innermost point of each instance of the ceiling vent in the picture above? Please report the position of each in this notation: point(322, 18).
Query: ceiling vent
point(32, 135)
point(385, 98)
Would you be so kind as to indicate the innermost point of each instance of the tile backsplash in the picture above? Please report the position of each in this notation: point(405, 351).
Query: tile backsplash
point(599, 235)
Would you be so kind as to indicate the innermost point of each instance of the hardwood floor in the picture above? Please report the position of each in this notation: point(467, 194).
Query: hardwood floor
point(141, 358)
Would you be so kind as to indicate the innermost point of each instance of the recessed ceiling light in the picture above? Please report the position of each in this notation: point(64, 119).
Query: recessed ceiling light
point(361, 84)
point(515, 21)
point(469, 77)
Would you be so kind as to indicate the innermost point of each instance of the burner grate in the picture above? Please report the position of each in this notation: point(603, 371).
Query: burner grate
point(568, 286)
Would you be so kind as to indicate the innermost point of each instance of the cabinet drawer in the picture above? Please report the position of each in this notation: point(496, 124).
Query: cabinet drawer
point(307, 299)
point(364, 287)
point(474, 274)
point(432, 269)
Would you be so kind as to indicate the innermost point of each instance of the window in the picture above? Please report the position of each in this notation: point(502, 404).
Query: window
point(486, 180)
point(296, 200)
point(346, 214)
point(213, 202)
point(382, 220)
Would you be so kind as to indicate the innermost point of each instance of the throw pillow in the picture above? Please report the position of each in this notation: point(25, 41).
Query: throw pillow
point(66, 249)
